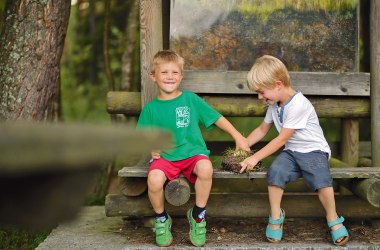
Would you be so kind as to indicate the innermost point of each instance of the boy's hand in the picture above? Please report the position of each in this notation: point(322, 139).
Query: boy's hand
point(248, 163)
point(156, 154)
point(243, 144)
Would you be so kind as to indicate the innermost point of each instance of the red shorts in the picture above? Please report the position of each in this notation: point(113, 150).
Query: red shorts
point(172, 169)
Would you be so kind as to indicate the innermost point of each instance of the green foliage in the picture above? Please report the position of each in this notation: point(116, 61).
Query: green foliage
point(15, 238)
point(83, 81)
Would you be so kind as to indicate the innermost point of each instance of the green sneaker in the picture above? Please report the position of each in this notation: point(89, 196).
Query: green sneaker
point(197, 232)
point(163, 234)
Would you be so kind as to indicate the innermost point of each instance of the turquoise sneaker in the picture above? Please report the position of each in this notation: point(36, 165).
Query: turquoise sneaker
point(163, 232)
point(197, 232)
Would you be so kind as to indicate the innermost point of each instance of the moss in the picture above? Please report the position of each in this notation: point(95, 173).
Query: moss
point(232, 158)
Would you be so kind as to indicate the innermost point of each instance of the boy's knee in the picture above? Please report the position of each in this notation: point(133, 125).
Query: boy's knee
point(205, 170)
point(275, 171)
point(156, 180)
point(277, 176)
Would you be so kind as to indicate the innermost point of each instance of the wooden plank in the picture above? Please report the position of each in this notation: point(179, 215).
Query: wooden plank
point(337, 173)
point(375, 80)
point(245, 205)
point(309, 83)
point(230, 105)
point(151, 42)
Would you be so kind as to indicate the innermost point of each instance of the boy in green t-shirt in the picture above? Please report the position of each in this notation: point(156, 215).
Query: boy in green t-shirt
point(181, 112)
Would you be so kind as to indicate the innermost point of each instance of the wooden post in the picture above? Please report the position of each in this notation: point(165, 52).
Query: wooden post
point(350, 141)
point(375, 81)
point(151, 42)
point(177, 192)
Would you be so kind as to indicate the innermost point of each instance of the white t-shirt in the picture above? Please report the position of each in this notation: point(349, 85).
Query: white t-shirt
point(299, 114)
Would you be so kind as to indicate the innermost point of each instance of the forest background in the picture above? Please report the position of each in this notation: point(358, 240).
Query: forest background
point(101, 53)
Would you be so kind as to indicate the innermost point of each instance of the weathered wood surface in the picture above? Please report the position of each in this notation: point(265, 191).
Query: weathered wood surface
point(368, 189)
point(244, 205)
point(375, 80)
point(337, 173)
point(309, 83)
point(32, 147)
point(151, 41)
point(177, 191)
point(133, 186)
point(350, 141)
point(345, 107)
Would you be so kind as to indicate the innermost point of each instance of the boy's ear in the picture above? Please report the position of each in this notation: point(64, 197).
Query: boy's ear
point(279, 83)
point(151, 76)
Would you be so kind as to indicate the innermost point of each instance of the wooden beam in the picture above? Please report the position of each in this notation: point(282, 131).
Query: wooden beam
point(375, 80)
point(133, 186)
point(229, 105)
point(151, 41)
point(339, 170)
point(309, 83)
point(244, 205)
point(368, 189)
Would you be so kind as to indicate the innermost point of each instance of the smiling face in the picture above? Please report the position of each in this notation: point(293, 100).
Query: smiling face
point(273, 94)
point(167, 76)
point(269, 96)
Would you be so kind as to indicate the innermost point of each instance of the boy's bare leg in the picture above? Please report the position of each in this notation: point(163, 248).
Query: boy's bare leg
point(326, 196)
point(203, 170)
point(275, 195)
point(156, 181)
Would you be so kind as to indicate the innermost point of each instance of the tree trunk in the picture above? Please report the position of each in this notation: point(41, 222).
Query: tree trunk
point(128, 68)
point(32, 43)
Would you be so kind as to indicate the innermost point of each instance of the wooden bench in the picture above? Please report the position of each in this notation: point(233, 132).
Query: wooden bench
point(334, 95)
point(348, 102)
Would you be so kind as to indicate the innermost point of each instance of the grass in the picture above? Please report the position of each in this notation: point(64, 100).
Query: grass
point(12, 237)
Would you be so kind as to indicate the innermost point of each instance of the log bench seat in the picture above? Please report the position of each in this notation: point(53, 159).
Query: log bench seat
point(342, 173)
point(364, 182)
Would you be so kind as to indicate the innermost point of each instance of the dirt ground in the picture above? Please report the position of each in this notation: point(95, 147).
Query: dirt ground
point(300, 230)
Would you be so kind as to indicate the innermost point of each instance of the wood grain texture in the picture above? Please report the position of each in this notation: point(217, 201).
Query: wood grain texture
point(245, 205)
point(232, 105)
point(151, 41)
point(375, 80)
point(342, 173)
point(309, 83)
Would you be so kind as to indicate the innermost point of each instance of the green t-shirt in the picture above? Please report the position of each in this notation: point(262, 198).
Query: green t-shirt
point(182, 116)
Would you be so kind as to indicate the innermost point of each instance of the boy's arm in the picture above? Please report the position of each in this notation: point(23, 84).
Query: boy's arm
point(257, 134)
point(225, 125)
point(269, 149)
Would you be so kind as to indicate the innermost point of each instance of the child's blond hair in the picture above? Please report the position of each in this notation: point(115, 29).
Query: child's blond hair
point(265, 72)
point(165, 56)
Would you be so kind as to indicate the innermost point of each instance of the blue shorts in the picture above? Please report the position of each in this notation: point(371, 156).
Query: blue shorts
point(291, 165)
